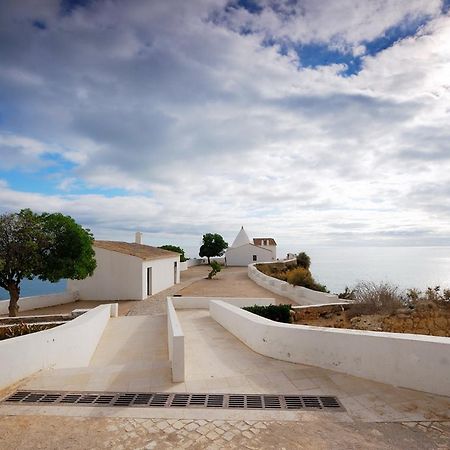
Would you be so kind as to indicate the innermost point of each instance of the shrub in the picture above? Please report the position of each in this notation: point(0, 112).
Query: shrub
point(373, 298)
point(302, 277)
point(303, 260)
point(176, 249)
point(348, 294)
point(216, 268)
point(278, 313)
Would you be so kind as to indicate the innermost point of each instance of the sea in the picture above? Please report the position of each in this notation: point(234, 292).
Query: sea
point(338, 267)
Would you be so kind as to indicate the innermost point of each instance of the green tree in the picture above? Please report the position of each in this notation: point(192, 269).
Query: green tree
point(45, 246)
point(213, 245)
point(303, 260)
point(174, 248)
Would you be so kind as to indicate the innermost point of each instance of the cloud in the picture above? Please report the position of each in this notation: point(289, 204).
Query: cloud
point(202, 127)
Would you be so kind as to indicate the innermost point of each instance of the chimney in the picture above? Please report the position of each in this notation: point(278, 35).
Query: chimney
point(138, 238)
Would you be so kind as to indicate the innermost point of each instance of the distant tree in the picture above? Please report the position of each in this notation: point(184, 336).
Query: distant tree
point(303, 260)
point(174, 248)
point(213, 245)
point(45, 246)
point(216, 268)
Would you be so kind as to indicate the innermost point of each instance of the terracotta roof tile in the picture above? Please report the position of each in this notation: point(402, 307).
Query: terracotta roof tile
point(145, 252)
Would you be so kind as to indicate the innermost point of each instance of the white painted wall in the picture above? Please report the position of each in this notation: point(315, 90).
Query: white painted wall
point(298, 294)
point(116, 277)
point(68, 345)
point(124, 277)
point(203, 302)
point(40, 301)
point(190, 263)
point(163, 274)
point(406, 360)
point(175, 341)
point(271, 248)
point(243, 255)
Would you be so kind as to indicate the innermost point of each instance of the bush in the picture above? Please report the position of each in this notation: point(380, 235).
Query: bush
point(302, 277)
point(216, 268)
point(373, 298)
point(303, 260)
point(278, 313)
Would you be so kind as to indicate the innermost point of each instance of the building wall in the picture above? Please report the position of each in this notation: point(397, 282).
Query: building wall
point(163, 275)
point(272, 248)
point(117, 277)
point(243, 255)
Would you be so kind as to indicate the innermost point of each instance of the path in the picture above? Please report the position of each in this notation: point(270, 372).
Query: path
point(132, 356)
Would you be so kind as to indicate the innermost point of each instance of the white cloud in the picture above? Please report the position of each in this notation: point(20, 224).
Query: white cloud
point(208, 130)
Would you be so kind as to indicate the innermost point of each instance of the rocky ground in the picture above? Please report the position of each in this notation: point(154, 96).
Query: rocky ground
point(428, 318)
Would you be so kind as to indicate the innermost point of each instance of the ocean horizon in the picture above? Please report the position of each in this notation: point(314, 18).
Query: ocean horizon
point(337, 267)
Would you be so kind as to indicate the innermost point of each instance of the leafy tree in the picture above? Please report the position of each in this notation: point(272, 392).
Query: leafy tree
point(213, 245)
point(216, 268)
point(174, 248)
point(47, 246)
point(303, 260)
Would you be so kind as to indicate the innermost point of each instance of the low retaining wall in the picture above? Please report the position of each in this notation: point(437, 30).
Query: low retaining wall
point(298, 294)
point(203, 302)
point(40, 301)
point(175, 341)
point(68, 345)
point(406, 360)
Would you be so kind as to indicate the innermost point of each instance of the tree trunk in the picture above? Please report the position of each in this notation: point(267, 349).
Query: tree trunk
point(209, 262)
point(14, 293)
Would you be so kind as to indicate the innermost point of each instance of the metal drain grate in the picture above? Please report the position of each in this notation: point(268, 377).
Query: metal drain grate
point(178, 400)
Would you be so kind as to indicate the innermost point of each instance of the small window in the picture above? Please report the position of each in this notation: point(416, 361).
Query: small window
point(255, 258)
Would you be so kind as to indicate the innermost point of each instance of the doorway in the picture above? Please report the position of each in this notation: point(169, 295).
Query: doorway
point(149, 281)
point(175, 269)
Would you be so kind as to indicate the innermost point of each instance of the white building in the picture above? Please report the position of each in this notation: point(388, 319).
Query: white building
point(242, 252)
point(128, 271)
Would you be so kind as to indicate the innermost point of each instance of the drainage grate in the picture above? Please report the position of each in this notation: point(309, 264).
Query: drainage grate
point(178, 400)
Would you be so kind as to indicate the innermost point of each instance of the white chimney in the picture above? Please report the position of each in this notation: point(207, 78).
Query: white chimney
point(138, 238)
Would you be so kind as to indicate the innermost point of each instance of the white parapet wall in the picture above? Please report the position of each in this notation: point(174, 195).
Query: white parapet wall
point(298, 294)
point(40, 301)
point(203, 302)
point(407, 360)
point(68, 345)
point(175, 341)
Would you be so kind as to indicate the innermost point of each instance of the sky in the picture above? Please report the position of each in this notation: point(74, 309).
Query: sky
point(321, 123)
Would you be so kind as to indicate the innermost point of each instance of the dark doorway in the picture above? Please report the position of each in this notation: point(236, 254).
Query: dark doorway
point(149, 281)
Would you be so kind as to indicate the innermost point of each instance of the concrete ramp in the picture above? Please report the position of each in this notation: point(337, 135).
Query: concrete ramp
point(131, 356)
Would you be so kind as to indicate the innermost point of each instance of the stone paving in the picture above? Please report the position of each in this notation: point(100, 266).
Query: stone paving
point(126, 433)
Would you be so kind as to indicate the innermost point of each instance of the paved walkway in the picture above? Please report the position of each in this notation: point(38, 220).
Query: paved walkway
point(132, 356)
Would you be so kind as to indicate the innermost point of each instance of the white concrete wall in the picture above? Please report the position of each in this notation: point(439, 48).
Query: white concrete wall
point(117, 277)
point(243, 255)
point(203, 302)
point(40, 301)
point(191, 262)
point(195, 262)
point(162, 274)
point(68, 345)
point(175, 341)
point(406, 360)
point(298, 294)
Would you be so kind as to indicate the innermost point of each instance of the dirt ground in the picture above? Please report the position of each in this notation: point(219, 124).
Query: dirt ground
point(230, 282)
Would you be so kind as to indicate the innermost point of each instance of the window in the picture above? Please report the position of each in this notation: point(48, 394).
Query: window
point(255, 258)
